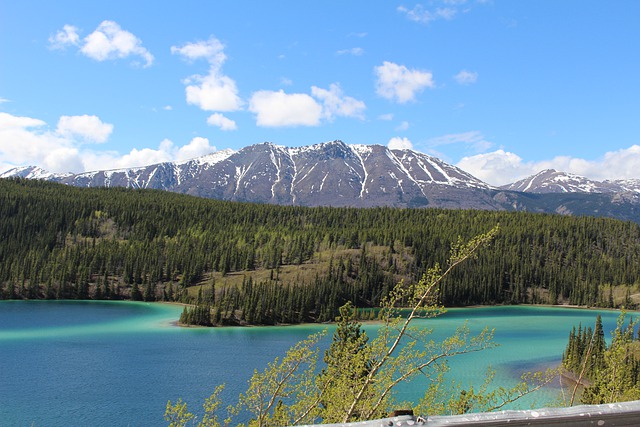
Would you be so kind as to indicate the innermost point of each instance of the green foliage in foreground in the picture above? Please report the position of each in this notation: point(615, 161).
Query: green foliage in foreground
point(608, 373)
point(265, 264)
point(358, 376)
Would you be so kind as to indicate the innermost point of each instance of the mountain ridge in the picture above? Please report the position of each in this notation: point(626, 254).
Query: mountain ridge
point(329, 173)
point(553, 181)
point(337, 174)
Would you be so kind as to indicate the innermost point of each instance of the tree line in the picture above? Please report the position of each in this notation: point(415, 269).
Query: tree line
point(267, 264)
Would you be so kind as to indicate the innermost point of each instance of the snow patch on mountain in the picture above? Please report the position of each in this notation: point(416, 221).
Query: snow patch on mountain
point(208, 159)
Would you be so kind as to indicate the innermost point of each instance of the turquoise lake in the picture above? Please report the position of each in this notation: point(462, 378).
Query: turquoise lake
point(74, 363)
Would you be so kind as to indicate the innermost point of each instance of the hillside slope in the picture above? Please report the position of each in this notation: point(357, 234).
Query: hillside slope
point(280, 264)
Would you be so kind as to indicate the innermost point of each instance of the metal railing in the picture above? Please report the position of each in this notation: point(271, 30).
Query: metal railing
point(611, 414)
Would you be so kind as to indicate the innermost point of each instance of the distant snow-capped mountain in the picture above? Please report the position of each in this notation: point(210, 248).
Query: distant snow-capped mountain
point(32, 172)
point(336, 174)
point(552, 181)
point(331, 173)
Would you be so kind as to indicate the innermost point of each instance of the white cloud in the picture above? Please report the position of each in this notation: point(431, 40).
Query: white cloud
point(27, 141)
point(425, 16)
point(473, 139)
point(465, 77)
point(214, 91)
point(386, 117)
point(275, 109)
point(63, 159)
point(5, 167)
point(197, 147)
point(211, 50)
point(447, 13)
point(438, 10)
point(280, 109)
point(497, 168)
point(398, 83)
point(91, 128)
point(109, 41)
point(501, 167)
point(625, 162)
point(403, 126)
point(335, 103)
point(8, 121)
point(167, 151)
point(355, 51)
point(135, 158)
point(398, 143)
point(222, 122)
point(65, 37)
point(3, 100)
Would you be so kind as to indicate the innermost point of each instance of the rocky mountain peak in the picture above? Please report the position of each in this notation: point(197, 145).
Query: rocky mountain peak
point(552, 181)
point(334, 173)
point(330, 173)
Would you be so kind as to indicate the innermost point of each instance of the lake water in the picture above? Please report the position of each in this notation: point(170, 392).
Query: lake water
point(70, 363)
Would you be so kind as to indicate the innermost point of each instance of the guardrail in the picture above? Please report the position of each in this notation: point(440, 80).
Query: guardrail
point(611, 414)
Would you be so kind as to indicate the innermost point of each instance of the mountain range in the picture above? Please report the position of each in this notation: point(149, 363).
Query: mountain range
point(337, 174)
point(552, 181)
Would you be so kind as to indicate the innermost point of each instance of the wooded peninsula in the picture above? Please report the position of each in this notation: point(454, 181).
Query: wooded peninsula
point(240, 263)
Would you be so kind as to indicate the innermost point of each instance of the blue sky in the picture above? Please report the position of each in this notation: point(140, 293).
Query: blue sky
point(500, 88)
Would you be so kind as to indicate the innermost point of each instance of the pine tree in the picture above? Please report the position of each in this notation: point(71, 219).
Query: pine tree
point(614, 380)
point(135, 292)
point(347, 365)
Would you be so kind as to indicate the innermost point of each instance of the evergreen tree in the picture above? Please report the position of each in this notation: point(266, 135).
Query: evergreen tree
point(615, 379)
point(347, 365)
point(136, 295)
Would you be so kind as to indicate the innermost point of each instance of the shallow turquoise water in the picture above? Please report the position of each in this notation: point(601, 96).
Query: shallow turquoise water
point(76, 363)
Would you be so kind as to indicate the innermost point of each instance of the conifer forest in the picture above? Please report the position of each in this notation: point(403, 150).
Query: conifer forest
point(239, 263)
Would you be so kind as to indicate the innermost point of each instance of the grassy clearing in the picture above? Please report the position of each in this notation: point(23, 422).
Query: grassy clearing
point(317, 266)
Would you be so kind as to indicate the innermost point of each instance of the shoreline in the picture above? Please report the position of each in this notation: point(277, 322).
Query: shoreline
point(573, 306)
point(572, 378)
point(373, 322)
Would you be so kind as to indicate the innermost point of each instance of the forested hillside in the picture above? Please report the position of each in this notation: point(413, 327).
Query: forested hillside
point(266, 264)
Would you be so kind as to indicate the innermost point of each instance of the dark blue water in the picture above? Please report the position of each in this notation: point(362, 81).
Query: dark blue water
point(65, 363)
